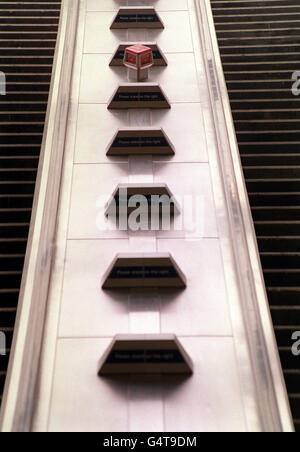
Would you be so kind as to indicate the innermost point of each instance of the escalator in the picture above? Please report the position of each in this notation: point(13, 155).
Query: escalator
point(28, 31)
point(259, 45)
point(260, 50)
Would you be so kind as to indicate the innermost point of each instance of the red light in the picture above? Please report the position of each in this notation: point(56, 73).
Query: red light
point(131, 58)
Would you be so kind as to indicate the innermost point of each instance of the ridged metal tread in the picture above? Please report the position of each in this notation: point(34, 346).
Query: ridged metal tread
point(28, 31)
point(260, 50)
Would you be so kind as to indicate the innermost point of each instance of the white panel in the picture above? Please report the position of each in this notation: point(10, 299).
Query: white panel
point(97, 126)
point(144, 312)
point(202, 308)
point(209, 401)
point(176, 37)
point(178, 85)
point(93, 185)
point(191, 183)
point(100, 81)
point(82, 402)
point(142, 241)
point(183, 125)
point(146, 408)
point(87, 310)
point(141, 169)
point(113, 5)
point(139, 117)
point(95, 40)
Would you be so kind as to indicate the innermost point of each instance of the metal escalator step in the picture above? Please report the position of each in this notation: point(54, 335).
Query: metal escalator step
point(274, 199)
point(273, 185)
point(282, 260)
point(272, 172)
point(4, 362)
point(272, 213)
point(29, 52)
point(280, 160)
point(233, 32)
point(258, 25)
point(9, 298)
point(2, 380)
point(277, 244)
point(7, 316)
point(286, 315)
point(284, 295)
point(262, 104)
point(19, 69)
point(16, 187)
point(278, 228)
point(10, 162)
point(270, 76)
point(10, 201)
point(11, 262)
point(257, 53)
point(17, 174)
point(255, 11)
point(284, 336)
point(282, 278)
point(266, 114)
point(16, 245)
point(295, 404)
point(11, 215)
point(12, 127)
point(225, 4)
point(268, 147)
point(288, 360)
point(259, 58)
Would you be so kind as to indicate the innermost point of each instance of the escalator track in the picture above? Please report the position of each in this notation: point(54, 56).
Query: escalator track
point(260, 50)
point(28, 31)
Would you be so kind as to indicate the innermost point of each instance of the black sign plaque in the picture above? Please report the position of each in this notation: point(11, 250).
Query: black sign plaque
point(141, 95)
point(145, 354)
point(139, 142)
point(133, 271)
point(156, 198)
point(137, 17)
